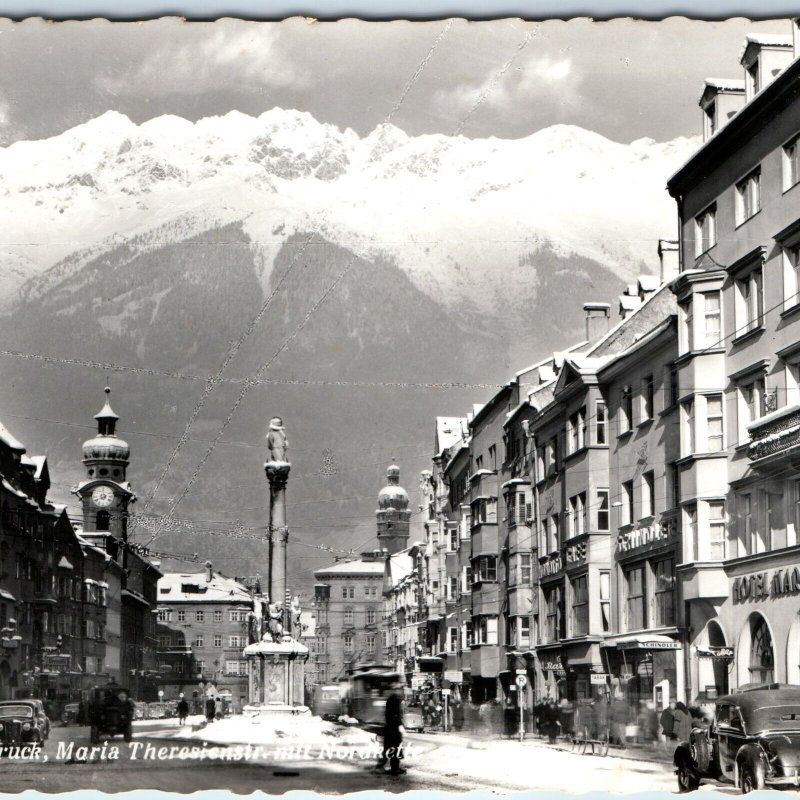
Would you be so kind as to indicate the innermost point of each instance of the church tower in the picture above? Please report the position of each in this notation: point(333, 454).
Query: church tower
point(393, 514)
point(105, 494)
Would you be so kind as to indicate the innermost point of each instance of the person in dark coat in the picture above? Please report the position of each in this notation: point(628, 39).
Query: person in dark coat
point(211, 709)
point(458, 715)
point(667, 721)
point(551, 722)
point(183, 711)
point(393, 731)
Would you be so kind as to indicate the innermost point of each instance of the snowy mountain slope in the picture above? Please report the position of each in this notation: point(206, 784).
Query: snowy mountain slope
point(453, 213)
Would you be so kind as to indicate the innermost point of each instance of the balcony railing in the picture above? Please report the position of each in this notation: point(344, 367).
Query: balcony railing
point(775, 433)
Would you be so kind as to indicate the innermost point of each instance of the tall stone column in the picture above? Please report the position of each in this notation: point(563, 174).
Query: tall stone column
point(277, 470)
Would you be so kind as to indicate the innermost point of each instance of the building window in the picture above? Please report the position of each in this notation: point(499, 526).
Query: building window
point(576, 431)
point(712, 311)
point(371, 615)
point(199, 641)
point(199, 616)
point(369, 643)
point(348, 617)
point(217, 615)
point(452, 588)
point(602, 510)
point(181, 615)
point(687, 417)
point(553, 620)
point(747, 533)
point(164, 615)
point(664, 572)
point(748, 197)
point(466, 576)
point(199, 667)
point(580, 606)
point(236, 641)
point(705, 230)
point(600, 422)
point(691, 528)
point(772, 509)
point(627, 511)
point(605, 601)
point(486, 568)
point(636, 604)
point(453, 539)
point(716, 530)
point(648, 494)
point(648, 398)
point(751, 405)
point(218, 640)
point(791, 276)
point(486, 630)
point(523, 631)
point(322, 645)
point(686, 326)
point(163, 641)
point(791, 163)
point(625, 410)
point(452, 640)
point(792, 377)
point(714, 423)
point(750, 301)
point(762, 656)
point(675, 485)
point(673, 390)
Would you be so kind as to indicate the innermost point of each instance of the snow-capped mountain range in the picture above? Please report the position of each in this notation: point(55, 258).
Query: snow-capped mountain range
point(455, 214)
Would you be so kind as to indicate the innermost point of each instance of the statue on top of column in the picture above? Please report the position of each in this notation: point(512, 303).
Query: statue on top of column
point(277, 443)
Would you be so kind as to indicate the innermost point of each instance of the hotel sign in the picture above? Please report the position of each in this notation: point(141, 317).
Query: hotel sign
point(762, 586)
point(641, 537)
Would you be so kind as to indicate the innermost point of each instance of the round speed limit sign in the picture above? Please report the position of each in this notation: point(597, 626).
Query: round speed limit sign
point(521, 680)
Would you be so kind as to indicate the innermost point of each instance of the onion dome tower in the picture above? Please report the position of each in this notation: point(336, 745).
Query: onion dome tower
point(393, 514)
point(105, 493)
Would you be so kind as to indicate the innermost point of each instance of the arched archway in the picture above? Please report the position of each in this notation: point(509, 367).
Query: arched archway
point(756, 652)
point(712, 673)
point(793, 653)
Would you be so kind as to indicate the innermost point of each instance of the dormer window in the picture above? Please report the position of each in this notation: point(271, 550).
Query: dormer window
point(753, 78)
point(710, 119)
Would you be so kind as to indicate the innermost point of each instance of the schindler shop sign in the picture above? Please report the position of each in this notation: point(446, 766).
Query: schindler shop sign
point(762, 585)
point(651, 535)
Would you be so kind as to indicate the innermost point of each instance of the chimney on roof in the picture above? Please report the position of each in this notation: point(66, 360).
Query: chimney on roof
point(629, 301)
point(209, 571)
point(598, 316)
point(669, 258)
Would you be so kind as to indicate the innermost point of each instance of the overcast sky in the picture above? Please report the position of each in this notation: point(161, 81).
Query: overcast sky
point(623, 79)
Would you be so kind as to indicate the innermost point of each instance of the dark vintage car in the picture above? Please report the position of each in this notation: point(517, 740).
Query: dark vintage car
point(70, 714)
point(22, 722)
point(110, 712)
point(753, 741)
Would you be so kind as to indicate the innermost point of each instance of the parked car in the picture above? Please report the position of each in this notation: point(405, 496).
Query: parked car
point(413, 719)
point(22, 722)
point(753, 741)
point(111, 711)
point(69, 716)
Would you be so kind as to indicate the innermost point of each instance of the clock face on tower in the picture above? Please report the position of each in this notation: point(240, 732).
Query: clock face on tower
point(102, 497)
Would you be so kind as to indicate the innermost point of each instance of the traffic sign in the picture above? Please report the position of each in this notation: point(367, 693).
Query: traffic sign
point(445, 692)
point(521, 680)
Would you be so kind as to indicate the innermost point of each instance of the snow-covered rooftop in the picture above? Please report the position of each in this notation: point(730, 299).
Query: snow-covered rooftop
point(192, 587)
point(449, 430)
point(357, 567)
point(725, 84)
point(10, 441)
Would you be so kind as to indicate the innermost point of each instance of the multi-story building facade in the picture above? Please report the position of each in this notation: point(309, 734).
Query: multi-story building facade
point(53, 590)
point(204, 622)
point(348, 595)
point(106, 496)
point(739, 375)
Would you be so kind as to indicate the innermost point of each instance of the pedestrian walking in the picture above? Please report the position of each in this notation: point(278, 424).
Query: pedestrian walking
point(183, 711)
point(218, 707)
point(619, 721)
point(551, 723)
point(211, 708)
point(682, 722)
point(667, 721)
point(458, 715)
point(394, 730)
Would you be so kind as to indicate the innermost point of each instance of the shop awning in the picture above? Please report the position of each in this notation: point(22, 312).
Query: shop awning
point(644, 641)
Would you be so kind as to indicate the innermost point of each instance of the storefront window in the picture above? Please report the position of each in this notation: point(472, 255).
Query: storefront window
point(636, 612)
point(580, 606)
point(664, 592)
point(762, 658)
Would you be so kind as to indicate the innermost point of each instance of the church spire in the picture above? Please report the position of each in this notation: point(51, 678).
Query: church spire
point(106, 419)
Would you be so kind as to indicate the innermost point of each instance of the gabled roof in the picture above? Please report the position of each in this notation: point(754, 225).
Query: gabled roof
point(10, 441)
point(449, 430)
